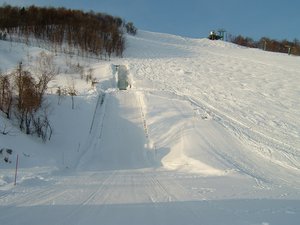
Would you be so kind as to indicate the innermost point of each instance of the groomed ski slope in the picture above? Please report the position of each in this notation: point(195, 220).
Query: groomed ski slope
point(120, 143)
point(207, 133)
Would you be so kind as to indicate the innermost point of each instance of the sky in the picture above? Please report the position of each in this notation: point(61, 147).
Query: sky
point(278, 19)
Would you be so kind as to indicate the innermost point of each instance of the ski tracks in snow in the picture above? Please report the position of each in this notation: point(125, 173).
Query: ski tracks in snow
point(97, 196)
point(178, 82)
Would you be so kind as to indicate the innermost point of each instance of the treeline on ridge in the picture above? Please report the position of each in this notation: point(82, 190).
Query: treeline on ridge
point(90, 32)
point(284, 46)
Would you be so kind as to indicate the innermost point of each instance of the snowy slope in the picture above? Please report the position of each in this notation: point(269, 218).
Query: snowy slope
point(250, 92)
point(121, 141)
point(207, 133)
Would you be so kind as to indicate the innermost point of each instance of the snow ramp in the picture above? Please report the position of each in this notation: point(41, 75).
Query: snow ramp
point(118, 141)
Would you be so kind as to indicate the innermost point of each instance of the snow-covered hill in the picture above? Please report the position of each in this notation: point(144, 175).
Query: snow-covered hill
point(206, 133)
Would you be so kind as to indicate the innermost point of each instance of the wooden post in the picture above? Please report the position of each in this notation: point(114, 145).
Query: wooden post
point(16, 172)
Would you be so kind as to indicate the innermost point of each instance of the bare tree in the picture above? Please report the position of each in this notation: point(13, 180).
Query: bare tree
point(45, 71)
point(130, 28)
point(42, 125)
point(6, 96)
point(28, 100)
point(89, 75)
point(24, 96)
point(72, 91)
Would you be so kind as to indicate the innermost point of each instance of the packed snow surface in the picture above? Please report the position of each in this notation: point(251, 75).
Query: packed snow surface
point(207, 132)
